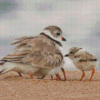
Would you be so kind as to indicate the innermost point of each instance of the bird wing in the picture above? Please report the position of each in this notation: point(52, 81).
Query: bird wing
point(38, 51)
point(86, 56)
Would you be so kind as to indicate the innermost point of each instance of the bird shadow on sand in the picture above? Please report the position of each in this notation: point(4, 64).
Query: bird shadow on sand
point(47, 79)
point(10, 78)
point(18, 78)
point(84, 80)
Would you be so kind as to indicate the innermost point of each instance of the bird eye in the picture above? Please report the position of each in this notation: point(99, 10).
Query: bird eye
point(58, 34)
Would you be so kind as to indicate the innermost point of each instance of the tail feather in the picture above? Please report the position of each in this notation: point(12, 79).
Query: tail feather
point(6, 66)
point(1, 71)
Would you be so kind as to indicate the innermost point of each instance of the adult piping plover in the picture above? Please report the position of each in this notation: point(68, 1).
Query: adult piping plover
point(83, 60)
point(39, 55)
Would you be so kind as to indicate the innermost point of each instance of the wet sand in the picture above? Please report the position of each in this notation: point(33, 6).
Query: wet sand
point(13, 87)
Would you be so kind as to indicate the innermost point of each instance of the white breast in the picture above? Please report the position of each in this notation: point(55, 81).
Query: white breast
point(86, 66)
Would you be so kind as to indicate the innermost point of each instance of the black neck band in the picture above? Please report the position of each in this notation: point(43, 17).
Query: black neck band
point(57, 42)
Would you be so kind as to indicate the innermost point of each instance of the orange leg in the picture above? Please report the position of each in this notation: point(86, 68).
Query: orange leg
point(82, 76)
point(93, 71)
point(58, 77)
point(64, 74)
point(31, 75)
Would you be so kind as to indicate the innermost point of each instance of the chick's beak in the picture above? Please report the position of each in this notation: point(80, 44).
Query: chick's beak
point(63, 39)
point(66, 55)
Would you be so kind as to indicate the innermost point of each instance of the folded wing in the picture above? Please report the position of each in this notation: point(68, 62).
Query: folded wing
point(38, 51)
point(86, 56)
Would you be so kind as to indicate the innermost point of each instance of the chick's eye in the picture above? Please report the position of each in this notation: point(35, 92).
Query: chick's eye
point(58, 34)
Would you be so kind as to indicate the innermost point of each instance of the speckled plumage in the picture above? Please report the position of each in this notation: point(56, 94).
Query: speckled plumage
point(82, 59)
point(39, 53)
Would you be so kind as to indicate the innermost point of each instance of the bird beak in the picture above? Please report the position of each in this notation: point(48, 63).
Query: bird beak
point(66, 55)
point(63, 39)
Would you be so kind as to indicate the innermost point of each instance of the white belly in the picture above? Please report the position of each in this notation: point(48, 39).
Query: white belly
point(27, 69)
point(86, 66)
point(23, 68)
point(54, 71)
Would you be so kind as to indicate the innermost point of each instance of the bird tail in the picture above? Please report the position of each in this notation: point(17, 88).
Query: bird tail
point(5, 67)
point(1, 68)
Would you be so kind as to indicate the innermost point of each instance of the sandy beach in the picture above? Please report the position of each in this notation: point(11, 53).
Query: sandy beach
point(13, 87)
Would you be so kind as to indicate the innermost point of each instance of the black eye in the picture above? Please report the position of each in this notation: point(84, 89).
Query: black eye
point(58, 34)
point(71, 52)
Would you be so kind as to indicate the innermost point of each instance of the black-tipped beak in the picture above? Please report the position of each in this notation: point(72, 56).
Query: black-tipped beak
point(63, 39)
point(66, 55)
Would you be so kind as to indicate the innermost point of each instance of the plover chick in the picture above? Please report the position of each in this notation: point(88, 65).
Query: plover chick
point(83, 60)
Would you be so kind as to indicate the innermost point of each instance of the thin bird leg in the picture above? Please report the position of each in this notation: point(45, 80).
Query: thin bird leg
point(64, 74)
point(51, 77)
point(58, 77)
point(19, 74)
point(42, 77)
point(31, 75)
point(93, 71)
point(82, 76)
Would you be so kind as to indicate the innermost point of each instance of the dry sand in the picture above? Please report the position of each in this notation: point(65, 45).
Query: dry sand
point(13, 87)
